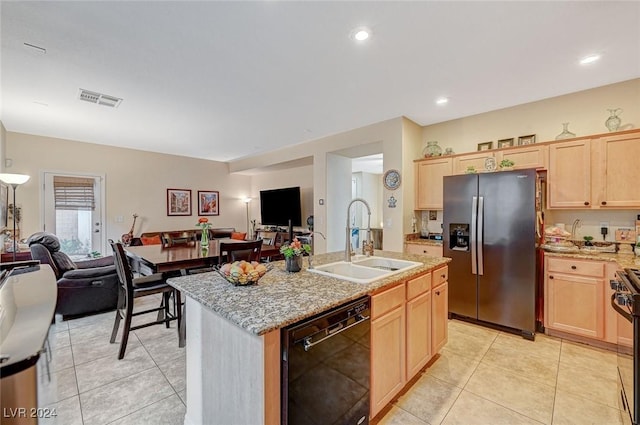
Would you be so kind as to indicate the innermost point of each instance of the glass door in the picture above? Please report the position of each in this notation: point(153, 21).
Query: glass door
point(73, 209)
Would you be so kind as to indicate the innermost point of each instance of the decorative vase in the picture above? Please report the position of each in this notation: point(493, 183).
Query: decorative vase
point(293, 264)
point(613, 122)
point(204, 238)
point(566, 134)
point(432, 149)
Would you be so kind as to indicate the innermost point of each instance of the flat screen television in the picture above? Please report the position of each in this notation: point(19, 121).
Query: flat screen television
point(278, 206)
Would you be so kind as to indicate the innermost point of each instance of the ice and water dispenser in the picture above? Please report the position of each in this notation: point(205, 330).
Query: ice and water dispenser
point(459, 236)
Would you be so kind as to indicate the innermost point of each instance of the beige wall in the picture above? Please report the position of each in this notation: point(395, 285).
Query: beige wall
point(136, 182)
point(585, 111)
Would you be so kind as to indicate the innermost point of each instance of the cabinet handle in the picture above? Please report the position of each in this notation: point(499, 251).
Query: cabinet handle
point(586, 202)
point(550, 277)
point(424, 251)
point(437, 292)
point(443, 276)
point(604, 202)
point(573, 267)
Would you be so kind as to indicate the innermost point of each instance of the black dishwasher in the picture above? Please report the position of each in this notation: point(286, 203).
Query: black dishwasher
point(325, 367)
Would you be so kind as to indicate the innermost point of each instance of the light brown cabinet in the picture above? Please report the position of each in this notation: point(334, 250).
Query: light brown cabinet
point(418, 324)
point(476, 160)
point(422, 249)
point(388, 347)
point(529, 156)
point(569, 175)
point(439, 309)
point(577, 299)
point(429, 183)
point(616, 171)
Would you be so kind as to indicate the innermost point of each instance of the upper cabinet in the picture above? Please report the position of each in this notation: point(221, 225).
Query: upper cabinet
point(429, 182)
point(476, 160)
point(529, 156)
point(570, 174)
point(616, 174)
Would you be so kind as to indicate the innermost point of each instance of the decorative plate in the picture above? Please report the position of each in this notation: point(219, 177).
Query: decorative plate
point(490, 164)
point(391, 179)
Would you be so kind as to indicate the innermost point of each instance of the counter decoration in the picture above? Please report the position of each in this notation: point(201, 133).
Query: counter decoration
point(293, 253)
point(203, 223)
point(243, 272)
point(613, 122)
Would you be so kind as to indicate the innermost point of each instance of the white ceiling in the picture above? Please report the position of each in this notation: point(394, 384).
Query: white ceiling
point(225, 80)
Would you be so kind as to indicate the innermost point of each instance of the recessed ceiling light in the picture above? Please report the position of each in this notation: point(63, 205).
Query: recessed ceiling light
point(361, 34)
point(589, 59)
point(442, 100)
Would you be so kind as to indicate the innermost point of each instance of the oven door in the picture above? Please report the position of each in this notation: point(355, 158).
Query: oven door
point(627, 357)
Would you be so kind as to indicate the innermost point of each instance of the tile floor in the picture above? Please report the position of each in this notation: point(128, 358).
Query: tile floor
point(482, 377)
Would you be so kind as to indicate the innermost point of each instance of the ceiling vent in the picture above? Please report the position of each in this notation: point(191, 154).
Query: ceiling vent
point(99, 98)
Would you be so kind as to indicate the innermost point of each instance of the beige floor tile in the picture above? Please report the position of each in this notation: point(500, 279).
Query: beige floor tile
point(469, 344)
point(544, 346)
point(183, 396)
point(61, 358)
point(175, 372)
point(397, 416)
point(429, 399)
point(109, 369)
point(165, 348)
point(169, 411)
point(585, 356)
point(542, 369)
point(471, 409)
point(574, 410)
point(596, 385)
point(156, 331)
point(100, 346)
point(82, 334)
point(452, 368)
point(513, 391)
point(472, 329)
point(59, 338)
point(92, 320)
point(62, 386)
point(65, 412)
point(123, 397)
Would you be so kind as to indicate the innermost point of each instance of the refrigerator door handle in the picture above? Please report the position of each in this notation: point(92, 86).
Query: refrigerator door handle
point(472, 236)
point(480, 233)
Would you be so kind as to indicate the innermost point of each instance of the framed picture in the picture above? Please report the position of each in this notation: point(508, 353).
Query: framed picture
point(178, 201)
point(526, 140)
point(208, 202)
point(485, 146)
point(505, 143)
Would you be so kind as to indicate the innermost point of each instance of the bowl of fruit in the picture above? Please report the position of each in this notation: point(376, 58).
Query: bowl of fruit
point(243, 272)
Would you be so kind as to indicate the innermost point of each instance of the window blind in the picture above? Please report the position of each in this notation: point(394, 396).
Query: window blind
point(73, 193)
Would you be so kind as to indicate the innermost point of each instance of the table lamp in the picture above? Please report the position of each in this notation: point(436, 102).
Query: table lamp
point(14, 180)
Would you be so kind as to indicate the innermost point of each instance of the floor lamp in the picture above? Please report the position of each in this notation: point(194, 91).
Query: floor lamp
point(249, 233)
point(14, 180)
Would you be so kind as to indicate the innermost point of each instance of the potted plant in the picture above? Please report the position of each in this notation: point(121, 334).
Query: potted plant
point(506, 164)
point(587, 240)
point(636, 249)
point(293, 253)
point(471, 170)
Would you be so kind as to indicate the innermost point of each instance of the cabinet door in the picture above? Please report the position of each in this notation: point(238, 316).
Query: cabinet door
point(429, 175)
point(575, 304)
point(529, 156)
point(422, 249)
point(476, 160)
point(418, 333)
point(569, 175)
point(616, 171)
point(387, 358)
point(439, 317)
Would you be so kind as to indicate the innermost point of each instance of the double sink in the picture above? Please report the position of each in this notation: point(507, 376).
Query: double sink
point(365, 269)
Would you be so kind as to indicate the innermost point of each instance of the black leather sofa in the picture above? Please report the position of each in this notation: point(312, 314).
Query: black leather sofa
point(84, 287)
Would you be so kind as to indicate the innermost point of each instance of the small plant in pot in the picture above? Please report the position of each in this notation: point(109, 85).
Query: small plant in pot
point(587, 240)
point(506, 164)
point(471, 170)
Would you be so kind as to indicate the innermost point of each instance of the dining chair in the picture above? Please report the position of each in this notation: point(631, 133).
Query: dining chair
point(236, 251)
point(132, 288)
point(170, 239)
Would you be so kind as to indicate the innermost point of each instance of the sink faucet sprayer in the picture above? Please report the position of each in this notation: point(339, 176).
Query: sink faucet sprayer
point(576, 225)
point(367, 245)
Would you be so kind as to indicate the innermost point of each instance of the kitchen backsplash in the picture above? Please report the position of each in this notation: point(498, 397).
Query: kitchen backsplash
point(590, 221)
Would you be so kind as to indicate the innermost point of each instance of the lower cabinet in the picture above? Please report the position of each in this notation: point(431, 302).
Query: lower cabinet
point(408, 327)
point(423, 249)
point(578, 299)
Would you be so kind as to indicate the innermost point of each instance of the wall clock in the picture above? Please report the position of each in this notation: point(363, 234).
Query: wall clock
point(391, 179)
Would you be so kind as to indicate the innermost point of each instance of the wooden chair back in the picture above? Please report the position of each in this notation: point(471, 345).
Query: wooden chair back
point(237, 251)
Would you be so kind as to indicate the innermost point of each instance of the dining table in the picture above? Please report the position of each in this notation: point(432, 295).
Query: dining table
point(149, 259)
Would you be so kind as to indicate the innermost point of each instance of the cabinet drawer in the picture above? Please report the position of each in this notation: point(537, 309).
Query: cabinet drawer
point(440, 276)
point(387, 301)
point(418, 286)
point(423, 249)
point(571, 266)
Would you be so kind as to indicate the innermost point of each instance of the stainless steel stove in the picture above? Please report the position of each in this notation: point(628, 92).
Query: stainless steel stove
point(626, 301)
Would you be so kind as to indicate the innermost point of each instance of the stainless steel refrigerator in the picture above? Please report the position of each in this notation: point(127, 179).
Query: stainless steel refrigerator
point(489, 231)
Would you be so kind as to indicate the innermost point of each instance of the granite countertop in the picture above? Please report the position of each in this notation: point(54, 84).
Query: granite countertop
point(280, 298)
point(624, 260)
point(416, 239)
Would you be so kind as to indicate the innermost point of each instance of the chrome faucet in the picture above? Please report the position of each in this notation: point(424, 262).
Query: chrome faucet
point(348, 251)
point(576, 225)
point(312, 236)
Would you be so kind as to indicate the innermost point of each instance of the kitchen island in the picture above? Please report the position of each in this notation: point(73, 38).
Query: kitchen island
point(233, 333)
